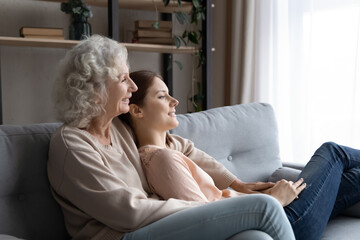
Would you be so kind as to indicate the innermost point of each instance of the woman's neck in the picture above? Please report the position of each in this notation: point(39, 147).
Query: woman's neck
point(150, 137)
point(100, 129)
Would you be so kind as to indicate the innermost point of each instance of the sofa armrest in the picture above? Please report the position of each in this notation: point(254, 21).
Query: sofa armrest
point(293, 165)
point(288, 173)
point(291, 171)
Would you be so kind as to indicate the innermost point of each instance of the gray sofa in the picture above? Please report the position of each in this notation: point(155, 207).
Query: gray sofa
point(242, 137)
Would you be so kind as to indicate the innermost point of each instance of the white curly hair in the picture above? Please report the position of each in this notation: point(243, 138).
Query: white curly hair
point(80, 92)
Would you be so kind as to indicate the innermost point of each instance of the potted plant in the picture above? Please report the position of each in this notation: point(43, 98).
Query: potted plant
point(80, 13)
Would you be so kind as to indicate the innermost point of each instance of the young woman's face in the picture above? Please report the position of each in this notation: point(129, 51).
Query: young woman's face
point(119, 91)
point(159, 107)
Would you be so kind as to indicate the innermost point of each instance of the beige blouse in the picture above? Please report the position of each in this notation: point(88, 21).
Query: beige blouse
point(171, 174)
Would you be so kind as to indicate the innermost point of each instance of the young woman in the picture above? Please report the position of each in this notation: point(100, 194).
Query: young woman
point(332, 175)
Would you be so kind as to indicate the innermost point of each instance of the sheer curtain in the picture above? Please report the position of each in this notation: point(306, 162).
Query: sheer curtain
point(308, 68)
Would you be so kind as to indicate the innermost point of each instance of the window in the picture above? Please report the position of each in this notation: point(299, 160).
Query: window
point(315, 87)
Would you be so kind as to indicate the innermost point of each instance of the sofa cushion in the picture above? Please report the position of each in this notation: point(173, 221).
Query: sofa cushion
point(26, 205)
point(244, 138)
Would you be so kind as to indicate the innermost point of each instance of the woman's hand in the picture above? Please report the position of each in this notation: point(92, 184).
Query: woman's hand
point(255, 187)
point(286, 191)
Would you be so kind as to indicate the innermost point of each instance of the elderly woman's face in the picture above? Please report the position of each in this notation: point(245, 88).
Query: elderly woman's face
point(119, 91)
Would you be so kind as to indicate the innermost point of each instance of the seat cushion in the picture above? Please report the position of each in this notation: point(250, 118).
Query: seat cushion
point(342, 227)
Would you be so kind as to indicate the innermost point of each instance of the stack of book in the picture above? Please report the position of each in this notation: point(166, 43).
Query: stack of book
point(48, 33)
point(145, 32)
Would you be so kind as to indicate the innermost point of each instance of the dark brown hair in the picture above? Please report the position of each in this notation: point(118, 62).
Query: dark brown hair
point(143, 80)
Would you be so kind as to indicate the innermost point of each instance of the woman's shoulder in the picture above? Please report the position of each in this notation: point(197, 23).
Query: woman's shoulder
point(152, 149)
point(180, 144)
point(71, 138)
point(152, 152)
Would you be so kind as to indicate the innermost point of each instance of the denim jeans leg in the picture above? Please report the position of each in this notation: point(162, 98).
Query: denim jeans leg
point(221, 220)
point(323, 175)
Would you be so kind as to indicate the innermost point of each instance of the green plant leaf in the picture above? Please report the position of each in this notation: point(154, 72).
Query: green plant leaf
point(192, 36)
point(199, 16)
point(184, 41)
point(77, 10)
point(179, 3)
point(201, 58)
point(179, 64)
point(195, 3)
point(166, 2)
point(179, 16)
point(177, 41)
point(182, 17)
point(156, 25)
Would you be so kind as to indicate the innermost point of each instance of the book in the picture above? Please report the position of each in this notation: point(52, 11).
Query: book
point(152, 33)
point(44, 36)
point(150, 24)
point(41, 31)
point(168, 41)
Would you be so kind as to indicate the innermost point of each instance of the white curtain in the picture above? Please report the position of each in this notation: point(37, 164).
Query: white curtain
point(308, 67)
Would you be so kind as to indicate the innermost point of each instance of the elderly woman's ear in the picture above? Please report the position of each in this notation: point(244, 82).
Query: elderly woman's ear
point(135, 111)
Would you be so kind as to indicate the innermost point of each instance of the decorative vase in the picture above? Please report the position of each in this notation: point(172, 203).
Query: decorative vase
point(79, 28)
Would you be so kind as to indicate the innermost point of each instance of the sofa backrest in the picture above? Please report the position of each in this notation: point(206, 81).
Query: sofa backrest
point(27, 209)
point(242, 137)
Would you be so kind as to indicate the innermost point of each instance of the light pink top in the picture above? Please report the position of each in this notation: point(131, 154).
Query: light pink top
point(170, 174)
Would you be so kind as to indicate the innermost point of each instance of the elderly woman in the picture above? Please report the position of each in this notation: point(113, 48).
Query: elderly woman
point(96, 174)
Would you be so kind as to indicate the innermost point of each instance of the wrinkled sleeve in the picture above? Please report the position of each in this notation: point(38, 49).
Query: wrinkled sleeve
point(221, 176)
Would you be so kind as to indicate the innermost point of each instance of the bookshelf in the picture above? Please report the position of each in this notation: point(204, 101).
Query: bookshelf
point(147, 5)
point(113, 21)
point(53, 43)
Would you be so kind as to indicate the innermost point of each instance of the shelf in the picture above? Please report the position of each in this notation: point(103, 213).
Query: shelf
point(148, 5)
point(52, 43)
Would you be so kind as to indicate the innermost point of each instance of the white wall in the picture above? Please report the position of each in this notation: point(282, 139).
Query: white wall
point(27, 73)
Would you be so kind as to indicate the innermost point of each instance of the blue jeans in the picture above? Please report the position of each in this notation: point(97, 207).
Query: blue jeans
point(333, 184)
point(221, 220)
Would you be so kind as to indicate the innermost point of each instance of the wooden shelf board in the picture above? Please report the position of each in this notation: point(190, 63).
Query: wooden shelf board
point(36, 42)
point(142, 47)
point(140, 5)
point(53, 43)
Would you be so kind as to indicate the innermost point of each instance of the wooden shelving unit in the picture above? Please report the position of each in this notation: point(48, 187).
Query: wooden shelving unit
point(113, 15)
point(52, 43)
point(148, 5)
